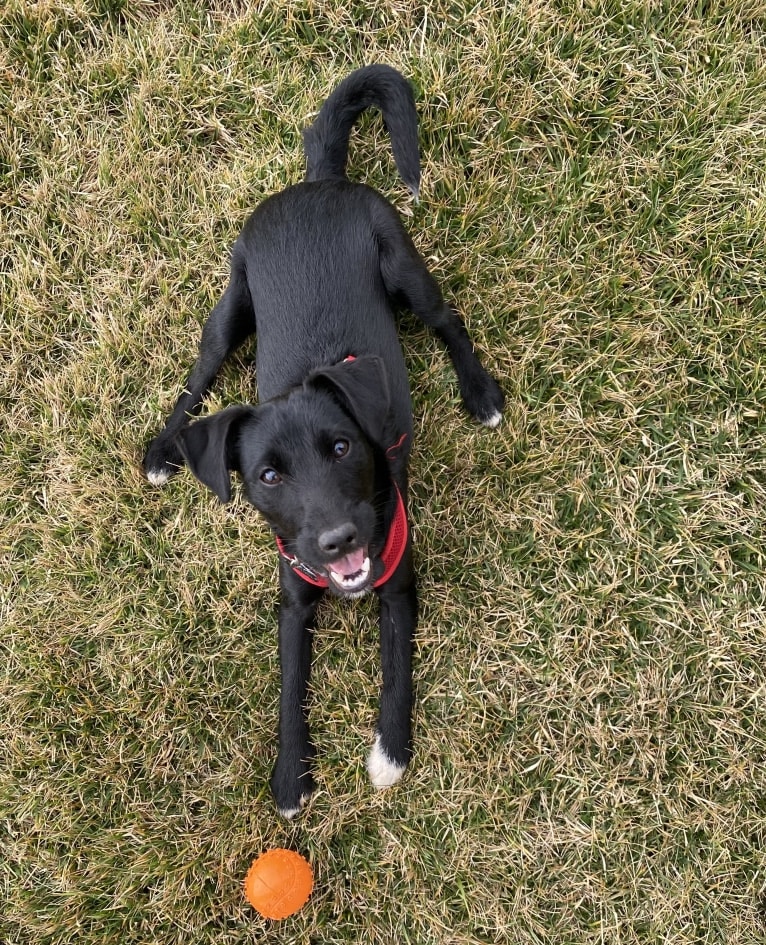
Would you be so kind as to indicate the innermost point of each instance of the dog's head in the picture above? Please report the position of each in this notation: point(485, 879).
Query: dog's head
point(311, 464)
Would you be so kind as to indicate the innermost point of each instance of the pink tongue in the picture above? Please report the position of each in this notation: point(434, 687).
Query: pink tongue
point(350, 564)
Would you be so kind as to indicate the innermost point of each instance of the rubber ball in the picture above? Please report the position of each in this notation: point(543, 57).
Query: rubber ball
point(278, 883)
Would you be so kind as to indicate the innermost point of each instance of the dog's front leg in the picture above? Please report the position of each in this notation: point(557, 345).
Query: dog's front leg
point(291, 780)
point(391, 750)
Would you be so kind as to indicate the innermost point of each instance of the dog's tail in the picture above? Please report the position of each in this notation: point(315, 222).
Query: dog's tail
point(326, 141)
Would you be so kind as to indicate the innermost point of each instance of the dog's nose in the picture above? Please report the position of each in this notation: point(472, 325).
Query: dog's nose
point(338, 541)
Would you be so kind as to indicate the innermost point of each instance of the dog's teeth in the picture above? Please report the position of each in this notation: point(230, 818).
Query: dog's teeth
point(351, 580)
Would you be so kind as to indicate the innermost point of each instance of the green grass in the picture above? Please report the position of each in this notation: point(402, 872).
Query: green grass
point(590, 759)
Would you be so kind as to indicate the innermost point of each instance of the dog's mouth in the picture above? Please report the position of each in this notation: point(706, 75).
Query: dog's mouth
point(351, 573)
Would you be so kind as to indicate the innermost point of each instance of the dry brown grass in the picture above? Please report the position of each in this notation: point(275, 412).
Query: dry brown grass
point(590, 738)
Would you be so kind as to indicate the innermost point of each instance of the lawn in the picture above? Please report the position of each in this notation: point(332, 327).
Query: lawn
point(590, 666)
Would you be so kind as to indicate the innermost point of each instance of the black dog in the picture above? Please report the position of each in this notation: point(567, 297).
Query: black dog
point(318, 269)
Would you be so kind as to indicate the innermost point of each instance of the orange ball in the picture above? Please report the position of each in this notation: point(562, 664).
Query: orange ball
point(278, 883)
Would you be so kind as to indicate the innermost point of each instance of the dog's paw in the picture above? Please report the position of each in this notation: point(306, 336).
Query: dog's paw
point(382, 769)
point(289, 812)
point(163, 459)
point(484, 399)
point(292, 785)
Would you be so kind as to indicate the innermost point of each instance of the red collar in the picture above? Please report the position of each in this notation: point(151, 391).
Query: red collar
point(392, 553)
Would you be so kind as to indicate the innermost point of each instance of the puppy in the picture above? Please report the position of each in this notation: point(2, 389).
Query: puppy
point(318, 271)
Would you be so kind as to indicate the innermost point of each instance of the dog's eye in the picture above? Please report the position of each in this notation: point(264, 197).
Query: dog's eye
point(340, 448)
point(270, 477)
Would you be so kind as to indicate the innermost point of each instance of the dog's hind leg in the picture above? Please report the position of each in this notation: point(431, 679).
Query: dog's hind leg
point(407, 279)
point(229, 324)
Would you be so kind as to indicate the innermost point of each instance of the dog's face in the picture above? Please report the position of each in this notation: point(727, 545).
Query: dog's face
point(310, 470)
point(308, 464)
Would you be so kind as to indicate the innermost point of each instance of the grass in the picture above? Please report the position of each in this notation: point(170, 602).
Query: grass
point(590, 664)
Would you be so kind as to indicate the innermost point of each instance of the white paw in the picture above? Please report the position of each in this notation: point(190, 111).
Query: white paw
point(289, 812)
point(157, 477)
point(494, 420)
point(382, 771)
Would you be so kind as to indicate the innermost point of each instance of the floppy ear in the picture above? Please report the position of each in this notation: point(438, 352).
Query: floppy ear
point(209, 447)
point(361, 386)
